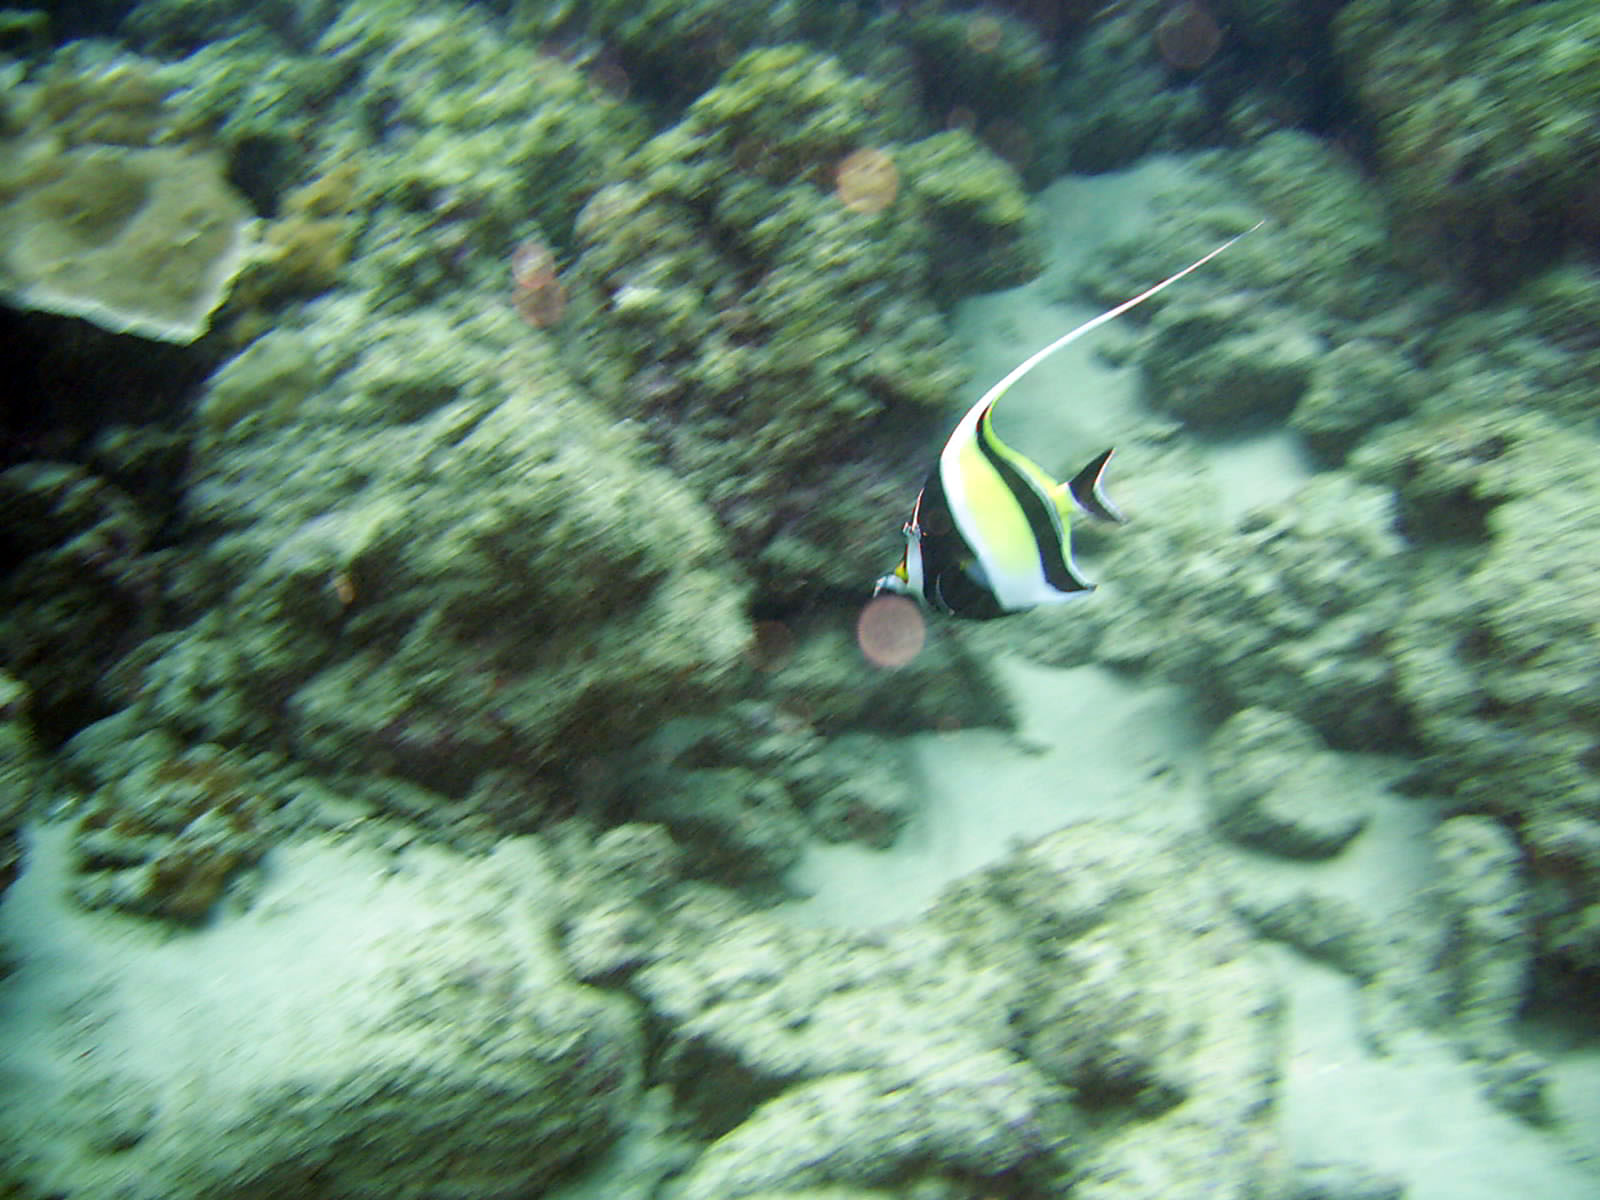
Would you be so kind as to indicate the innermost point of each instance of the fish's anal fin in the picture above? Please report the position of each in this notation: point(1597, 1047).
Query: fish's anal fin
point(1086, 491)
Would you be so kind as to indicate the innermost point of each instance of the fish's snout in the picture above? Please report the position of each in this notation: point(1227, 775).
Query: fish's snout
point(897, 581)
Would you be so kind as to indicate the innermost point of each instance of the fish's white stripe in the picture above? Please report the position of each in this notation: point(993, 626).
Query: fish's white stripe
point(1089, 326)
point(972, 487)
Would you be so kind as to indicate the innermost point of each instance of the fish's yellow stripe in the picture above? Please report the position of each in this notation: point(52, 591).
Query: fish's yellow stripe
point(1002, 538)
point(1056, 495)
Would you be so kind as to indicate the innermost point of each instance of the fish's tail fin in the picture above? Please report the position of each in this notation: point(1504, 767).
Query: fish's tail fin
point(1087, 492)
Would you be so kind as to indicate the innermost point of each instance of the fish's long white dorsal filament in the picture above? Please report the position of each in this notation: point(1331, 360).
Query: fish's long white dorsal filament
point(1093, 323)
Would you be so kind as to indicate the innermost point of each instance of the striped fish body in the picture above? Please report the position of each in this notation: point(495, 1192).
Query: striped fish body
point(990, 532)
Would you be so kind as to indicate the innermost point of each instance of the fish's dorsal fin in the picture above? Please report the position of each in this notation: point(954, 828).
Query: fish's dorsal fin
point(1086, 492)
point(989, 398)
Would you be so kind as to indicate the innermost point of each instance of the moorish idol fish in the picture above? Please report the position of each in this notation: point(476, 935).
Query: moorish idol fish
point(988, 535)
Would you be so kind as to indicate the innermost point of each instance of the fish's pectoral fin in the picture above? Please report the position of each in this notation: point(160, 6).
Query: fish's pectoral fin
point(1087, 492)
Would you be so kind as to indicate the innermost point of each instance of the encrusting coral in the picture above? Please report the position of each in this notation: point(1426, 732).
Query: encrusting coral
point(96, 222)
point(760, 303)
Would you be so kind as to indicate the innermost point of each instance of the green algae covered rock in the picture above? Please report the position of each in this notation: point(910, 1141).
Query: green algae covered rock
point(989, 70)
point(503, 140)
point(1357, 386)
point(1494, 652)
point(759, 295)
point(1078, 1010)
point(459, 569)
point(1323, 248)
point(1274, 786)
point(1227, 363)
point(1120, 100)
point(387, 1023)
point(674, 48)
point(21, 775)
point(1289, 612)
point(1486, 118)
point(978, 214)
point(1308, 316)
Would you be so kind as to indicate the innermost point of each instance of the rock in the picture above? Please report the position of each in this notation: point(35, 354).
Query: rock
point(1075, 1013)
point(1291, 611)
point(1342, 1181)
point(1328, 928)
point(1355, 387)
point(166, 831)
point(1227, 363)
point(82, 588)
point(1141, 994)
point(21, 775)
point(1519, 1082)
point(1483, 901)
point(1273, 786)
point(382, 1025)
point(1116, 97)
point(510, 586)
point(742, 310)
point(965, 1117)
point(1493, 652)
point(1418, 77)
point(856, 788)
point(984, 237)
point(735, 825)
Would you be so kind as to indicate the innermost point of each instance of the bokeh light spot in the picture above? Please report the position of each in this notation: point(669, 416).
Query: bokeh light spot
point(1010, 141)
point(891, 631)
point(1188, 35)
point(537, 293)
point(771, 646)
point(984, 33)
point(866, 180)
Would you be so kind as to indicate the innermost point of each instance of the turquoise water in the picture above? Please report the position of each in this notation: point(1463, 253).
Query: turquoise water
point(452, 747)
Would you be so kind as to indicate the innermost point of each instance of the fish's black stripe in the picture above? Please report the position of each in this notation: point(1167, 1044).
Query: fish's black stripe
point(1085, 489)
point(952, 580)
point(1041, 521)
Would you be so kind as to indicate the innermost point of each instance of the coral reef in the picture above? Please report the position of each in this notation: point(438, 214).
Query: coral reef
point(1275, 787)
point(1071, 997)
point(98, 223)
point(1485, 122)
point(523, 494)
point(761, 330)
point(21, 775)
point(165, 831)
point(392, 1025)
point(1292, 611)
